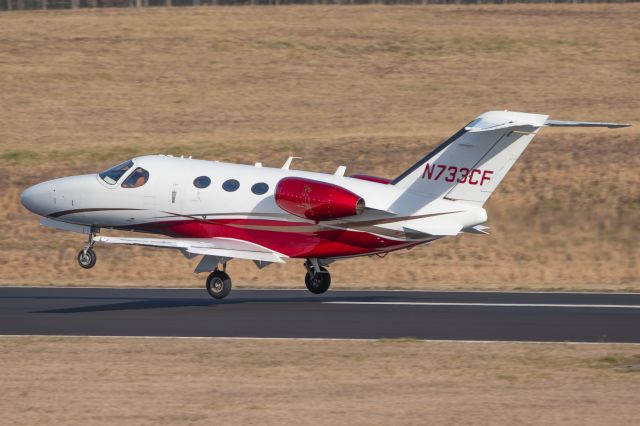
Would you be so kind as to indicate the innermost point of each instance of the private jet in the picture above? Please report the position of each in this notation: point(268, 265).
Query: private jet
point(222, 211)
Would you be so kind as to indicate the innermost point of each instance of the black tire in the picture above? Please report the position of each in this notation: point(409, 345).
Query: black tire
point(87, 259)
point(218, 284)
point(319, 282)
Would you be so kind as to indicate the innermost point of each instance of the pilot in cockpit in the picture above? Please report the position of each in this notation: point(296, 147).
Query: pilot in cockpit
point(136, 179)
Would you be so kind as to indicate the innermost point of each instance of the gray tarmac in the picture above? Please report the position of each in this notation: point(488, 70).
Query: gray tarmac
point(557, 317)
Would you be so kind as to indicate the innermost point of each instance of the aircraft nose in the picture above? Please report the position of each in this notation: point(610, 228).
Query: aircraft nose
point(37, 198)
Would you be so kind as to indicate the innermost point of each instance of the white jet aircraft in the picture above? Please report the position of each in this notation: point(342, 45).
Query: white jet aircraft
point(225, 211)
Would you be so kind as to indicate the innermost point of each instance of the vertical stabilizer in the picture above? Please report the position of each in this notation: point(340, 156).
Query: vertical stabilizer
point(470, 165)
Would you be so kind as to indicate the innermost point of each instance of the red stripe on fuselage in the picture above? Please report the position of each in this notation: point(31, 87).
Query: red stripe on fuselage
point(320, 243)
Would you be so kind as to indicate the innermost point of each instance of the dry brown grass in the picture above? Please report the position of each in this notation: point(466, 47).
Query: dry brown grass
point(93, 381)
point(371, 87)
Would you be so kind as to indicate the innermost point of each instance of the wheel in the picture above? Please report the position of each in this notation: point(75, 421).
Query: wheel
point(87, 258)
point(319, 282)
point(218, 284)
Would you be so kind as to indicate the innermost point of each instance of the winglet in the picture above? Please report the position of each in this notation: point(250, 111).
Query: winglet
point(561, 123)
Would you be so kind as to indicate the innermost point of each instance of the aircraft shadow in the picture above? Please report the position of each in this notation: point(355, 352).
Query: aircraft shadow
point(169, 303)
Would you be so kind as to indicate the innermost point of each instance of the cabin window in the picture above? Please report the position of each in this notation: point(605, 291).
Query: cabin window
point(136, 179)
point(259, 188)
point(113, 175)
point(231, 185)
point(201, 182)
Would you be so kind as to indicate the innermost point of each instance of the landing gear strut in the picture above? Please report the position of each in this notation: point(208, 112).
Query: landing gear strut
point(219, 284)
point(87, 257)
point(318, 278)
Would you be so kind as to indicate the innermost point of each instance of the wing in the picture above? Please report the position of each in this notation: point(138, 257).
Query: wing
point(221, 248)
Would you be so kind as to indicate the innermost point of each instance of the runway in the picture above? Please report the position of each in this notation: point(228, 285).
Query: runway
point(483, 316)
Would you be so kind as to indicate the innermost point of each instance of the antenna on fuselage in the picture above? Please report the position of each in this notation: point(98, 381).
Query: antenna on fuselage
point(287, 163)
point(340, 170)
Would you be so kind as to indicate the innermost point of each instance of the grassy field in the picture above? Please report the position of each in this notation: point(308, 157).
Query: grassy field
point(93, 381)
point(373, 88)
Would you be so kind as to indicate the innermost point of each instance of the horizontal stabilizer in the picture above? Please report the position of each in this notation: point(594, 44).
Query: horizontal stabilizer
point(560, 123)
point(478, 229)
point(218, 247)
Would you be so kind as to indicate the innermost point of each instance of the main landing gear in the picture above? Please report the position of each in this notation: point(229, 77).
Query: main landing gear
point(318, 278)
point(87, 257)
point(219, 283)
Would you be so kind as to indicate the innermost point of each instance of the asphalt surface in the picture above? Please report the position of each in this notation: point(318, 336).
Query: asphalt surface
point(576, 317)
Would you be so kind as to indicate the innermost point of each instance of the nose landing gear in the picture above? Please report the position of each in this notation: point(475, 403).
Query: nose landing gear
point(317, 278)
point(87, 257)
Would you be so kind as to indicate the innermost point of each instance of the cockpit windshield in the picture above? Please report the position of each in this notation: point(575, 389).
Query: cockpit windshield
point(112, 175)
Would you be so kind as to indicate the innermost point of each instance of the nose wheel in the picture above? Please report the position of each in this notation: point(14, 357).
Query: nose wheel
point(218, 284)
point(317, 278)
point(87, 258)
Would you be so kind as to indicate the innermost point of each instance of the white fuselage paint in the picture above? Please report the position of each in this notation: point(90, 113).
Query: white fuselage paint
point(170, 194)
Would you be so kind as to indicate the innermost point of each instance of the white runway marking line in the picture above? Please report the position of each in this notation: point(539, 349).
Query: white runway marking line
point(311, 339)
point(473, 304)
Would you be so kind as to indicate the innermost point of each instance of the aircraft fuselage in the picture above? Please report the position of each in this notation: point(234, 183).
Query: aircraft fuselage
point(169, 203)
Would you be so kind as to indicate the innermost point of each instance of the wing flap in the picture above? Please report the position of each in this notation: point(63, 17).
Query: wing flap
point(434, 229)
point(218, 247)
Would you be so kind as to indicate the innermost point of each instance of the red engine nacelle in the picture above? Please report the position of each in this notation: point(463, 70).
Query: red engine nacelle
point(316, 200)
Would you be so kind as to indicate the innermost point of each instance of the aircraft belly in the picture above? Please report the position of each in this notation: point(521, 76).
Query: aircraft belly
point(293, 239)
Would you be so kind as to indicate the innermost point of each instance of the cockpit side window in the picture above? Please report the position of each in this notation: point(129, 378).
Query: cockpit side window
point(112, 175)
point(136, 179)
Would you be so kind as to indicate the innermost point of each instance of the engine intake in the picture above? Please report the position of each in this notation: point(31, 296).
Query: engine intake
point(315, 200)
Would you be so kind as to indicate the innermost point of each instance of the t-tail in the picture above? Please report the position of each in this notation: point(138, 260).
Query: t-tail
point(470, 165)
